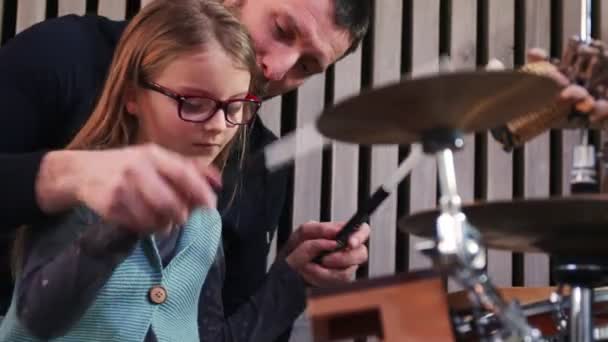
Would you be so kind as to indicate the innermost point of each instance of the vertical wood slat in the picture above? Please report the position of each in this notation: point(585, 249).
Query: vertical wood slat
point(499, 164)
point(386, 69)
point(1, 17)
point(145, 3)
point(425, 58)
point(65, 7)
point(463, 44)
point(270, 115)
point(345, 157)
point(571, 23)
point(462, 56)
point(114, 9)
point(537, 157)
point(603, 17)
point(29, 12)
point(307, 175)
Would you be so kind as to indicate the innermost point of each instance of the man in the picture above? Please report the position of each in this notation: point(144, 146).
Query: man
point(49, 78)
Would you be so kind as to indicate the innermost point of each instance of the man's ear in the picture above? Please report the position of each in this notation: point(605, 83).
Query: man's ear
point(232, 3)
point(131, 101)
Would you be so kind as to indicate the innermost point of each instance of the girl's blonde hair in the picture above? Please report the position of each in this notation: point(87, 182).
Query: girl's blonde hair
point(156, 36)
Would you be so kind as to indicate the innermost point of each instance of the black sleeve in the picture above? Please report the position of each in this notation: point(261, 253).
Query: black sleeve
point(66, 263)
point(263, 318)
point(35, 70)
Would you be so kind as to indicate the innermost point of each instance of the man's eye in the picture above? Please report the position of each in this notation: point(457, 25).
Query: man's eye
point(304, 67)
point(280, 31)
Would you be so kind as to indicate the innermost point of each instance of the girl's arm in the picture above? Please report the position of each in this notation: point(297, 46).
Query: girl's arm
point(65, 264)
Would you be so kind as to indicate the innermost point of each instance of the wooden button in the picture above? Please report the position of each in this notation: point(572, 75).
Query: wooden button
point(157, 294)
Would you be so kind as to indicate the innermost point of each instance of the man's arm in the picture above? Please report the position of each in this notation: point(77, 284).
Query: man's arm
point(30, 104)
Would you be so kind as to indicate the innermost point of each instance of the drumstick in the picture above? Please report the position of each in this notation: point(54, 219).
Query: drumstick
point(303, 140)
point(373, 202)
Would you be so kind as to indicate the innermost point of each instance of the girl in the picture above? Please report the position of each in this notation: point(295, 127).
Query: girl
point(181, 78)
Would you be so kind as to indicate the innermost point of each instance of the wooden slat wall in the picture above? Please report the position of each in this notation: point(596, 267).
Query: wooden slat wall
point(71, 7)
point(602, 7)
point(463, 45)
point(462, 52)
point(271, 117)
point(499, 164)
point(571, 23)
point(1, 16)
point(537, 157)
point(29, 12)
point(307, 179)
point(425, 58)
point(113, 9)
point(145, 2)
point(386, 69)
point(345, 157)
point(484, 170)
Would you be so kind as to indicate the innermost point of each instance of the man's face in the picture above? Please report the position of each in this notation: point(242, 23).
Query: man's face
point(294, 39)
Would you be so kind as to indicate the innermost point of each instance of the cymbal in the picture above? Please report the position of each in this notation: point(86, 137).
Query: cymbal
point(566, 226)
point(470, 101)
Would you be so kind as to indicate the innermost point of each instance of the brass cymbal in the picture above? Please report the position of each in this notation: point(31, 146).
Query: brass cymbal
point(470, 101)
point(566, 226)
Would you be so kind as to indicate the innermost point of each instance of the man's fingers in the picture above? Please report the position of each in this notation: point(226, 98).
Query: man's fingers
point(360, 236)
point(210, 172)
point(536, 55)
point(323, 276)
point(163, 201)
point(133, 211)
point(185, 176)
point(346, 258)
point(600, 112)
point(318, 230)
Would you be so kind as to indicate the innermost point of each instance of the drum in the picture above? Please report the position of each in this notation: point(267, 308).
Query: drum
point(537, 308)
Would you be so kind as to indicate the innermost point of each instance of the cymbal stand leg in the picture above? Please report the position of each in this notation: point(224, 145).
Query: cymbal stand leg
point(459, 253)
point(581, 321)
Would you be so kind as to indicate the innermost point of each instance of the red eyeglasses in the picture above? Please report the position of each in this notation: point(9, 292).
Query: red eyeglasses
point(200, 108)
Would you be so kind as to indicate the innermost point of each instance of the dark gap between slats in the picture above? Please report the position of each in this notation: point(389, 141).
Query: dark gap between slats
point(367, 61)
point(288, 124)
point(403, 199)
point(556, 139)
point(481, 148)
point(52, 9)
point(92, 6)
point(596, 33)
point(9, 20)
point(596, 19)
point(326, 168)
point(481, 139)
point(519, 175)
point(133, 7)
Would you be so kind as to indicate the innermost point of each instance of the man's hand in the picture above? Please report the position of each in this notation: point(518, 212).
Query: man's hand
point(140, 187)
point(312, 238)
point(572, 94)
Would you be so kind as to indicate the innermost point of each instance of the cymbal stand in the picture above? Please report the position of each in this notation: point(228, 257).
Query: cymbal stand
point(457, 250)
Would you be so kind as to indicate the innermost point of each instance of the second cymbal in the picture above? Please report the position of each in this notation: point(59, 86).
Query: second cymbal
point(563, 226)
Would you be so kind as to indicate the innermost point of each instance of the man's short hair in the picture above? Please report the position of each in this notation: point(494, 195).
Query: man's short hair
point(354, 16)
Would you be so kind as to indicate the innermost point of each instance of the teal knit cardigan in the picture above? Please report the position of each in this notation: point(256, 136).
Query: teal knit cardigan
point(122, 310)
